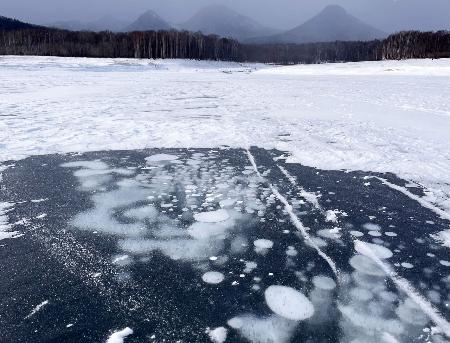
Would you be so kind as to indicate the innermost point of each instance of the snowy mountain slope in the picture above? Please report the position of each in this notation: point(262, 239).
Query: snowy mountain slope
point(373, 116)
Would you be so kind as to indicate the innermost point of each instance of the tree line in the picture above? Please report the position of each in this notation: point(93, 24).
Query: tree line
point(149, 44)
point(182, 44)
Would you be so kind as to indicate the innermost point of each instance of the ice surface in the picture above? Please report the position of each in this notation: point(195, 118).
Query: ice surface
point(288, 303)
point(330, 126)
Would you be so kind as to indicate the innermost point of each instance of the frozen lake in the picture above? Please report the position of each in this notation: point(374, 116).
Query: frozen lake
point(184, 245)
point(187, 201)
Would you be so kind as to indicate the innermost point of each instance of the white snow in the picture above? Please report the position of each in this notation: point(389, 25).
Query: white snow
point(288, 303)
point(387, 116)
point(119, 336)
point(213, 278)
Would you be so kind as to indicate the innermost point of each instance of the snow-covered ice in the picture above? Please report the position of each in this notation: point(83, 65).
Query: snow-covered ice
point(374, 116)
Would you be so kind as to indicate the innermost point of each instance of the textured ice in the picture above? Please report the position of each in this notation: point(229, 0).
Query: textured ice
point(288, 303)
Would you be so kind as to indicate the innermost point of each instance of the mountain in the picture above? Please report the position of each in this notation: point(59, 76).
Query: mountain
point(106, 23)
point(222, 21)
point(13, 24)
point(334, 23)
point(149, 21)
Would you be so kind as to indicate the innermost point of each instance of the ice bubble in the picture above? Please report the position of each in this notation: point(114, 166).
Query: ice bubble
point(119, 336)
point(263, 243)
point(390, 234)
point(200, 230)
point(407, 265)
point(250, 266)
point(262, 246)
point(213, 278)
point(96, 165)
point(141, 213)
point(361, 294)
point(218, 335)
point(375, 233)
point(227, 203)
point(288, 303)
point(356, 233)
point(365, 265)
point(212, 217)
point(273, 329)
point(368, 248)
point(410, 312)
point(324, 282)
point(372, 227)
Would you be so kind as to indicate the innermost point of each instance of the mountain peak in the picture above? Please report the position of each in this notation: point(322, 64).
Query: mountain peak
point(334, 10)
point(149, 21)
point(223, 21)
point(333, 23)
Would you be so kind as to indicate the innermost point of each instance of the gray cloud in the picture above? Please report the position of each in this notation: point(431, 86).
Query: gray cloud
point(388, 15)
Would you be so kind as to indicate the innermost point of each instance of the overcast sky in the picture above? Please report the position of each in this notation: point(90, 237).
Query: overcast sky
point(388, 15)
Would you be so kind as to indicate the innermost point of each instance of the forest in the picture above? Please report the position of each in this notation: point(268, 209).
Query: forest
point(182, 44)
